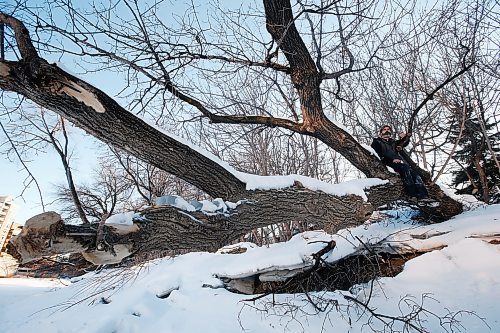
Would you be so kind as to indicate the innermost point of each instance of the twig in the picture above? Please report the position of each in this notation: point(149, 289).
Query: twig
point(24, 165)
point(2, 45)
point(100, 242)
point(430, 96)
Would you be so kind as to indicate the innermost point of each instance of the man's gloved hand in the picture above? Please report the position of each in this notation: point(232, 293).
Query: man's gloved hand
point(404, 135)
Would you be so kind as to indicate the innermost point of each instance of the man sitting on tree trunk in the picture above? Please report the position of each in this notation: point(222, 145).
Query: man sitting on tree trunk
point(389, 151)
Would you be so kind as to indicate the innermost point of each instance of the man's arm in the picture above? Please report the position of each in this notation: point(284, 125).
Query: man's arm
point(404, 139)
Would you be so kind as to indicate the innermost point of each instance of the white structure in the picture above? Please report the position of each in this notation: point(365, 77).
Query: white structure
point(8, 228)
point(6, 220)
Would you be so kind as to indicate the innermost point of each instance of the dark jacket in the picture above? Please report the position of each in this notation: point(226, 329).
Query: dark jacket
point(387, 151)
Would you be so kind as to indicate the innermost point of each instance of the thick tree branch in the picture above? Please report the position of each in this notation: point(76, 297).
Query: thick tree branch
point(95, 112)
point(22, 36)
point(307, 80)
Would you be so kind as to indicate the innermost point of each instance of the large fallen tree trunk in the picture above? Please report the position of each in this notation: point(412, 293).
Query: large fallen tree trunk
point(170, 230)
point(167, 229)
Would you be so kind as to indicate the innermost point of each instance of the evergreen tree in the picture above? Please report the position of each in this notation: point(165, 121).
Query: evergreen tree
point(478, 173)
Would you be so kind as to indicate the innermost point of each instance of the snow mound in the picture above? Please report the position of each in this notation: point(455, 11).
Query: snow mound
point(183, 294)
point(206, 206)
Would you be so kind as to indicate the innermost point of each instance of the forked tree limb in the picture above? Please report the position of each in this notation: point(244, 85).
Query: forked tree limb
point(430, 96)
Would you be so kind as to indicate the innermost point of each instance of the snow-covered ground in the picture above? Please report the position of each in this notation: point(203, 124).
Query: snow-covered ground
point(458, 284)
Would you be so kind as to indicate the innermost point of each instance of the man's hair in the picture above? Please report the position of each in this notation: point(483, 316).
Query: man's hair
point(381, 128)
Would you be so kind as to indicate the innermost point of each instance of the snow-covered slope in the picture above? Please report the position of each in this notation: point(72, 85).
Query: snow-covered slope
point(459, 283)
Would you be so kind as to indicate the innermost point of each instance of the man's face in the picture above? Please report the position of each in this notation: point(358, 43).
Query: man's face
point(386, 132)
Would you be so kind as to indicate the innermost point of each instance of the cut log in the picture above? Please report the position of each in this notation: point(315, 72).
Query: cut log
point(169, 230)
point(44, 235)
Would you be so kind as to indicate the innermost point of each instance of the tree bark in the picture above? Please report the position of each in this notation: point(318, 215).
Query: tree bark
point(483, 178)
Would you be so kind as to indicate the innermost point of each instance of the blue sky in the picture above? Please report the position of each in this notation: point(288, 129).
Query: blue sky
point(48, 172)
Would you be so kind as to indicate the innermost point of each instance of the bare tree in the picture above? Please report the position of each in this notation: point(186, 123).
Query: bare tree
point(149, 181)
point(165, 66)
point(64, 154)
point(107, 194)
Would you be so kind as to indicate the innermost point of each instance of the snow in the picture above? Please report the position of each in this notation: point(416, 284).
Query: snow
point(370, 149)
point(460, 277)
point(176, 201)
point(208, 207)
point(336, 123)
point(122, 218)
point(205, 206)
point(357, 186)
point(65, 68)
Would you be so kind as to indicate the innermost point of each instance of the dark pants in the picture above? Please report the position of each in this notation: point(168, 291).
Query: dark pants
point(412, 182)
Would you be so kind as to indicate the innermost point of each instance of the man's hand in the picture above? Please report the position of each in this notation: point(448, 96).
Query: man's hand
point(404, 134)
point(396, 161)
